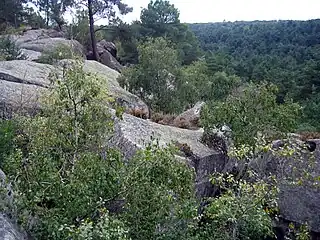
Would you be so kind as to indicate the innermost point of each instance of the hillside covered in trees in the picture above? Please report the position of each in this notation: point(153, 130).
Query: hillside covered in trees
point(285, 53)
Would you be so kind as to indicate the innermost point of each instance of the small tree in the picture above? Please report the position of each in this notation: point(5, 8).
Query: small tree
point(161, 19)
point(155, 78)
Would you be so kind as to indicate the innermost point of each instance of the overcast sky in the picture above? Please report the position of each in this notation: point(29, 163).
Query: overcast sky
point(192, 11)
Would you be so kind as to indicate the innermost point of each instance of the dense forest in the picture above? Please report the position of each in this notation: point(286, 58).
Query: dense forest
point(259, 82)
point(285, 53)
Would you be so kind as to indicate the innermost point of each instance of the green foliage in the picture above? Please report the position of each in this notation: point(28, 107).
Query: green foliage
point(241, 212)
point(79, 29)
point(159, 195)
point(302, 233)
point(12, 13)
point(199, 83)
point(54, 10)
point(9, 50)
point(312, 112)
point(285, 53)
point(62, 51)
point(159, 12)
point(63, 179)
point(7, 134)
point(161, 19)
point(252, 111)
point(154, 79)
point(106, 228)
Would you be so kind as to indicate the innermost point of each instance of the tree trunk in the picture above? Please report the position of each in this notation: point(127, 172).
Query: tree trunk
point(47, 13)
point(92, 33)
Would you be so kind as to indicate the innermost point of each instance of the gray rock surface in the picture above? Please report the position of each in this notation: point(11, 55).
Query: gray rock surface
point(22, 82)
point(132, 134)
point(122, 97)
point(35, 42)
point(107, 59)
point(107, 52)
point(30, 54)
point(189, 118)
point(301, 204)
point(298, 202)
point(103, 45)
point(10, 231)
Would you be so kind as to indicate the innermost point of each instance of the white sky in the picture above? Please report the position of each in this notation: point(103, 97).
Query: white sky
point(192, 11)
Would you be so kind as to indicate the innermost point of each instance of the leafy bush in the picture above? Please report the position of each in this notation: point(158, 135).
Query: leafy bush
point(105, 228)
point(61, 52)
point(64, 175)
point(159, 195)
point(199, 83)
point(241, 212)
point(7, 133)
point(252, 111)
point(9, 50)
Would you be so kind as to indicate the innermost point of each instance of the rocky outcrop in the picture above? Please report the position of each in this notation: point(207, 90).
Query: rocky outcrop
point(190, 118)
point(22, 82)
point(103, 45)
point(132, 134)
point(298, 201)
point(107, 52)
point(35, 42)
point(121, 96)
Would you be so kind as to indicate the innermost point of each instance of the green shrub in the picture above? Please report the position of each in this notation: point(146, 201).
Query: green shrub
point(61, 52)
point(7, 134)
point(9, 50)
point(159, 195)
point(155, 78)
point(241, 212)
point(105, 228)
point(252, 111)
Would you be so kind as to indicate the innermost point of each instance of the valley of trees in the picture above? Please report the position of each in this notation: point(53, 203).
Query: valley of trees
point(260, 79)
point(285, 53)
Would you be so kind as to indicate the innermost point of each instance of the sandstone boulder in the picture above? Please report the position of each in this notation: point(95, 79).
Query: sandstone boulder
point(107, 52)
point(35, 42)
point(22, 82)
point(103, 45)
point(190, 118)
point(300, 202)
